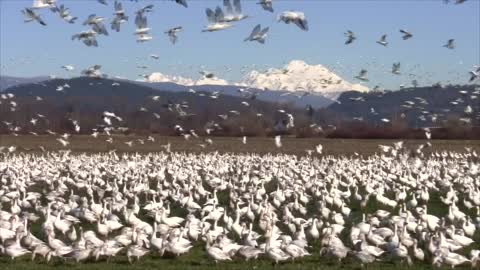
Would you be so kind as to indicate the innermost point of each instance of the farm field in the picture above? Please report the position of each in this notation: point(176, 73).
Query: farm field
point(85, 149)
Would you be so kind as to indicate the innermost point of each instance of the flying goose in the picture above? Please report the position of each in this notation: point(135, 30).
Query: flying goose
point(383, 41)
point(172, 33)
point(38, 4)
point(396, 68)
point(119, 18)
point(216, 21)
point(296, 17)
point(88, 37)
point(362, 75)
point(233, 14)
point(406, 34)
point(93, 72)
point(350, 37)
point(181, 2)
point(450, 44)
point(30, 16)
point(96, 23)
point(142, 30)
point(474, 74)
point(258, 34)
point(266, 5)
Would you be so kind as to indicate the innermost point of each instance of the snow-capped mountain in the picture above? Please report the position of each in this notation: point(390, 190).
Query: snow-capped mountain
point(300, 76)
point(160, 77)
point(157, 77)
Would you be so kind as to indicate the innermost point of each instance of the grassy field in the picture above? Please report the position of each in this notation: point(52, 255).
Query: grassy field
point(197, 258)
point(297, 146)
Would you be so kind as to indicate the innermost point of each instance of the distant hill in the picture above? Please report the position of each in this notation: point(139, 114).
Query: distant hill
point(85, 99)
point(9, 81)
point(277, 96)
point(420, 107)
point(295, 99)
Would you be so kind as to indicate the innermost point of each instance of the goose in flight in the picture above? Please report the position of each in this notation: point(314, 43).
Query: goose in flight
point(30, 16)
point(396, 68)
point(450, 44)
point(103, 2)
point(383, 41)
point(172, 33)
point(296, 17)
point(88, 38)
point(206, 74)
point(65, 14)
point(142, 11)
point(350, 37)
point(216, 21)
point(474, 74)
point(233, 14)
point(142, 29)
point(258, 34)
point(181, 2)
point(362, 75)
point(38, 4)
point(120, 17)
point(93, 72)
point(154, 56)
point(266, 5)
point(68, 67)
point(96, 22)
point(406, 34)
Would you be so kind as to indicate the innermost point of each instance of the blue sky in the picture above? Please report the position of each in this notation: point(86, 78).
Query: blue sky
point(29, 49)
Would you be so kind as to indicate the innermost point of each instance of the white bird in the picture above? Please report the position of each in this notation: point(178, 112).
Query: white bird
point(406, 34)
point(474, 74)
point(88, 37)
point(182, 2)
point(350, 37)
point(65, 14)
point(396, 68)
point(38, 4)
point(362, 75)
point(120, 16)
point(172, 33)
point(296, 17)
point(383, 41)
point(278, 141)
point(94, 72)
point(450, 44)
point(30, 16)
point(233, 14)
point(215, 20)
point(142, 30)
point(68, 67)
point(266, 5)
point(258, 34)
point(96, 23)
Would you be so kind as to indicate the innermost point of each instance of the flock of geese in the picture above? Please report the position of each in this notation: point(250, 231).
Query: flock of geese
point(107, 206)
point(242, 206)
point(219, 18)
